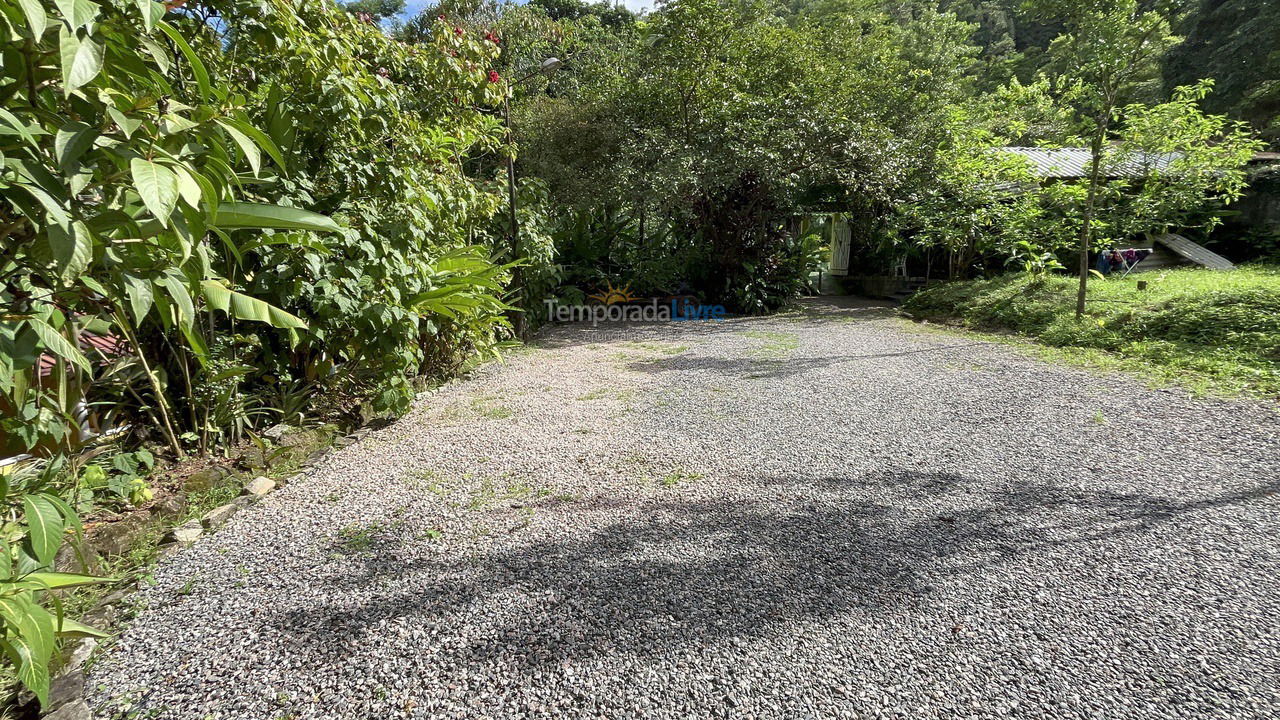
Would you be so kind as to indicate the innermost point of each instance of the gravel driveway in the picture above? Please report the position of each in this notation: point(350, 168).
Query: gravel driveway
point(822, 514)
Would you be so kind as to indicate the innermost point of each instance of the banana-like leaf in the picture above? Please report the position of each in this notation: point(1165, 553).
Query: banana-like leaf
point(71, 628)
point(197, 67)
point(238, 215)
point(244, 307)
point(53, 580)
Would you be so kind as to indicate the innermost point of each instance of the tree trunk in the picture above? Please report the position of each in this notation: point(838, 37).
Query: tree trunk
point(1086, 225)
point(516, 289)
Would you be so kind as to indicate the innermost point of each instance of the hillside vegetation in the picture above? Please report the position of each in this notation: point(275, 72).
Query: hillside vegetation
point(1218, 331)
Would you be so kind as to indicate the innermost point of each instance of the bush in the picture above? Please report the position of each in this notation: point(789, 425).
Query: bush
point(210, 216)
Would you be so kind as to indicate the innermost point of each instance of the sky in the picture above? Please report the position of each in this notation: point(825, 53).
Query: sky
point(413, 6)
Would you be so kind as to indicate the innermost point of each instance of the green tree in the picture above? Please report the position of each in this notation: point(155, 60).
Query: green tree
point(981, 203)
point(721, 114)
point(374, 9)
point(1186, 161)
point(1236, 43)
point(1110, 52)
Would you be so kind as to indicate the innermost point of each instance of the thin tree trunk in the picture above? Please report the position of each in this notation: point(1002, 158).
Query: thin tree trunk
point(161, 402)
point(1086, 226)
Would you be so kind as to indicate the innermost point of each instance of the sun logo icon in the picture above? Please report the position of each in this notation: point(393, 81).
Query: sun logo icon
point(612, 295)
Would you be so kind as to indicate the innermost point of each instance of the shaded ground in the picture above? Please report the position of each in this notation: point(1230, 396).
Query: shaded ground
point(824, 514)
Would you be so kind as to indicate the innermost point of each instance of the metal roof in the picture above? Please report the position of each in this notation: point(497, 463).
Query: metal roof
point(1194, 252)
point(1073, 162)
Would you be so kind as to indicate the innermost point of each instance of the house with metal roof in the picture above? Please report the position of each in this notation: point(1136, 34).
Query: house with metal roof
point(1073, 162)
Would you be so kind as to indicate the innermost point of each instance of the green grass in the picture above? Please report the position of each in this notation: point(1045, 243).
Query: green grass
point(199, 503)
point(1216, 332)
point(776, 344)
point(480, 407)
point(656, 347)
point(678, 476)
point(357, 538)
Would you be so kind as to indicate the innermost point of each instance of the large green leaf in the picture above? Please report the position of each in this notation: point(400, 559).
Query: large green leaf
point(152, 13)
point(188, 187)
point(77, 13)
point(267, 144)
point(72, 628)
point(30, 640)
point(141, 296)
point(37, 20)
point(72, 249)
point(53, 342)
point(11, 124)
point(54, 208)
point(176, 286)
point(244, 307)
point(81, 60)
point(44, 527)
point(53, 580)
point(237, 215)
point(247, 146)
point(72, 140)
point(157, 185)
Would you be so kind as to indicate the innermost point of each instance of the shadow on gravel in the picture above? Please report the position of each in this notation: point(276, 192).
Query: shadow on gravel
point(771, 367)
point(683, 574)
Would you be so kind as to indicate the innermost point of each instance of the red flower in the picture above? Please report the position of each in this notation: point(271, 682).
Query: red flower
point(457, 31)
point(494, 76)
point(491, 37)
point(440, 17)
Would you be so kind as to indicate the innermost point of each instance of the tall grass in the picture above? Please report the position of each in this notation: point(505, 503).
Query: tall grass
point(1214, 329)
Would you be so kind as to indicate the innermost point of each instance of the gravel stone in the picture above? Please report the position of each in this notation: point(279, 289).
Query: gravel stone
point(222, 513)
point(65, 688)
point(187, 532)
point(78, 710)
point(829, 513)
point(259, 486)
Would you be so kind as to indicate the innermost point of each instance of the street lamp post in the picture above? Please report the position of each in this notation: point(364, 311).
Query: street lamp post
point(546, 67)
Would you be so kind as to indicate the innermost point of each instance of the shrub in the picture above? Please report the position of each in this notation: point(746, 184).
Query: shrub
point(201, 205)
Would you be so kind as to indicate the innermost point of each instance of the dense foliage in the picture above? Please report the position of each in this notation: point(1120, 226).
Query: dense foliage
point(695, 140)
point(1234, 43)
point(210, 216)
point(681, 150)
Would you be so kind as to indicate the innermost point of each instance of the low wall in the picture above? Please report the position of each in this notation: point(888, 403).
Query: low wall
point(875, 285)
